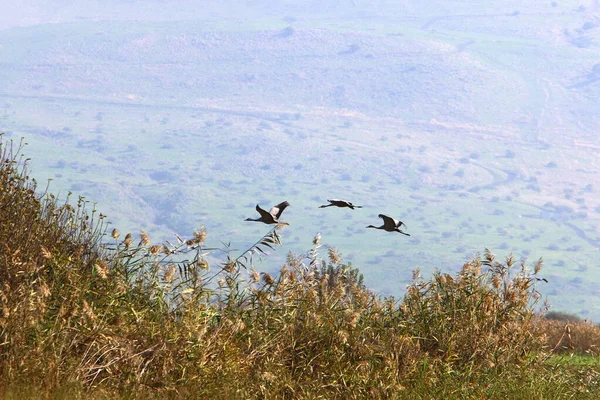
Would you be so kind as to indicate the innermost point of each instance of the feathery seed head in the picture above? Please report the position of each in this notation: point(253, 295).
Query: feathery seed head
point(155, 249)
point(496, 281)
point(44, 290)
point(538, 266)
point(254, 275)
point(230, 267)
point(45, 253)
point(355, 318)
point(413, 291)
point(489, 301)
point(88, 311)
point(168, 276)
point(128, 240)
point(203, 264)
point(416, 274)
point(334, 256)
point(342, 336)
point(267, 278)
point(510, 260)
point(200, 235)
point(441, 279)
point(352, 317)
point(292, 260)
point(102, 269)
point(115, 233)
point(238, 326)
point(489, 256)
point(324, 279)
point(284, 272)
point(317, 239)
point(145, 239)
point(340, 291)
point(467, 268)
point(269, 377)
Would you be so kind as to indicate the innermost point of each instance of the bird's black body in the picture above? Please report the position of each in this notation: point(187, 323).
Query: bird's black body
point(271, 217)
point(390, 225)
point(340, 203)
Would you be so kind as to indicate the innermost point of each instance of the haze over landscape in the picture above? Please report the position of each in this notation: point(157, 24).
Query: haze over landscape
point(475, 124)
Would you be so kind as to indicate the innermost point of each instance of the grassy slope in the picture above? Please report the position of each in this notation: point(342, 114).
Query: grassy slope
point(326, 126)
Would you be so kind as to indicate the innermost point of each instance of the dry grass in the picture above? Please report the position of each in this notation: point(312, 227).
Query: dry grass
point(581, 337)
point(87, 313)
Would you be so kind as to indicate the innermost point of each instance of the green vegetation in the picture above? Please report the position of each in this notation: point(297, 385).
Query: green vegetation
point(85, 313)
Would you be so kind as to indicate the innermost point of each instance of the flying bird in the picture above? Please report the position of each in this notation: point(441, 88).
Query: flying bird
point(271, 217)
point(390, 225)
point(340, 203)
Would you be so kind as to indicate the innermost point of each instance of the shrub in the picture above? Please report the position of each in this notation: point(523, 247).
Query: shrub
point(570, 335)
point(477, 320)
point(562, 316)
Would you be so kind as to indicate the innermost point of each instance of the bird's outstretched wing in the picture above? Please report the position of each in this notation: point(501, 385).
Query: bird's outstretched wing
point(387, 221)
point(278, 209)
point(334, 202)
point(263, 213)
point(342, 203)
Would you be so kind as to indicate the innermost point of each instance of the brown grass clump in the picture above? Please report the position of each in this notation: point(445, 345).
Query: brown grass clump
point(479, 320)
point(47, 256)
point(582, 337)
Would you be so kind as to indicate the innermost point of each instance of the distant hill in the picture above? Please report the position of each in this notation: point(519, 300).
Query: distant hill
point(475, 125)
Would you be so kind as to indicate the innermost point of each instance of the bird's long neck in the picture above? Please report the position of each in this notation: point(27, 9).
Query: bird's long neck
point(373, 226)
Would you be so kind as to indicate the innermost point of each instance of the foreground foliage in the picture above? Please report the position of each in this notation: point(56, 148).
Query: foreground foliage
point(83, 318)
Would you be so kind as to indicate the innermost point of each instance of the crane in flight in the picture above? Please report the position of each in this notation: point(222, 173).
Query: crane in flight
point(340, 203)
point(390, 225)
point(271, 217)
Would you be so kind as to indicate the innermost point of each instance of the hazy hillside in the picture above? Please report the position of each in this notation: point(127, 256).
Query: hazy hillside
point(477, 126)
